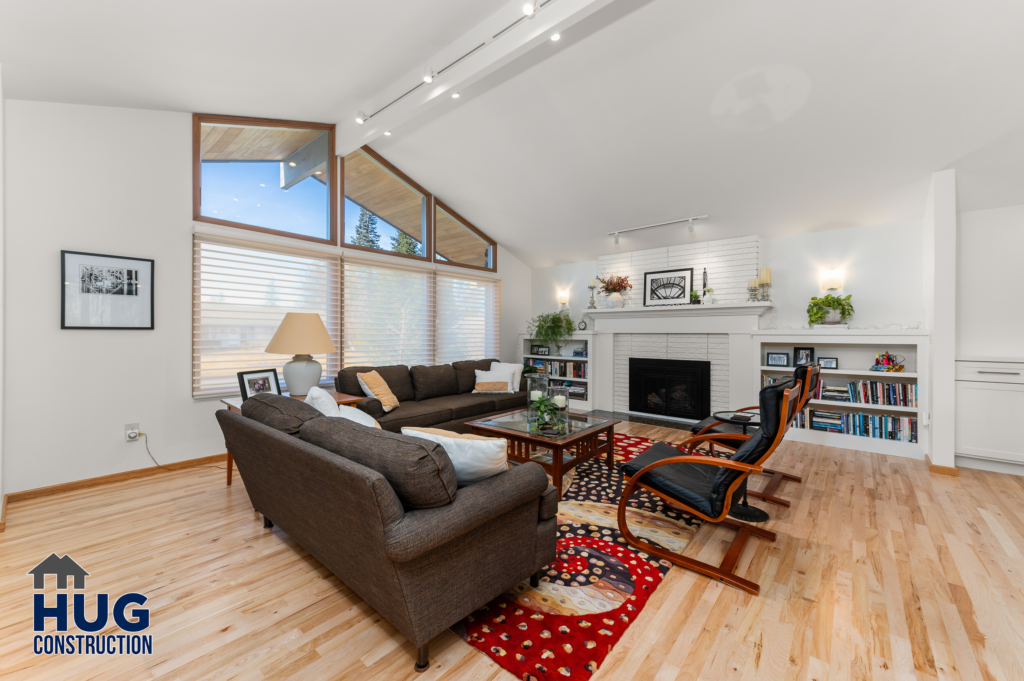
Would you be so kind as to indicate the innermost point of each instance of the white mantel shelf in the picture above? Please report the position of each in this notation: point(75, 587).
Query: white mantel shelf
point(716, 310)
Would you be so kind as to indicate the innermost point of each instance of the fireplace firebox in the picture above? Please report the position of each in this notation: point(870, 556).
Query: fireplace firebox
point(670, 387)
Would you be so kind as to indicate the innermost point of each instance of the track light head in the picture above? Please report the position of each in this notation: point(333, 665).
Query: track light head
point(691, 226)
point(616, 237)
point(360, 118)
point(530, 8)
point(429, 78)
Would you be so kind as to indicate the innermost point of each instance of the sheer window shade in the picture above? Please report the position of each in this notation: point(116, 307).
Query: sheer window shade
point(241, 292)
point(389, 314)
point(468, 318)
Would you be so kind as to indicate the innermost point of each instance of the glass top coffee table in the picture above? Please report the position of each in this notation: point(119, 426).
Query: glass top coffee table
point(585, 439)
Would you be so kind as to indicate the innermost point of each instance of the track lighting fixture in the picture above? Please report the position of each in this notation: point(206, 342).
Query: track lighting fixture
point(616, 237)
point(429, 77)
point(530, 8)
point(360, 118)
point(691, 225)
point(689, 220)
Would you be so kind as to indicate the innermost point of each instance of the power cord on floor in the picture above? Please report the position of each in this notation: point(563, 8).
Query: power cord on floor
point(159, 465)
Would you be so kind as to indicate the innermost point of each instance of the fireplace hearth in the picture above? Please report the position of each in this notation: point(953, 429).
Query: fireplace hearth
point(670, 387)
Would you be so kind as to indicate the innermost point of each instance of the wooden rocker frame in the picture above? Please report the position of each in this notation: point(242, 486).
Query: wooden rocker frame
point(725, 571)
point(768, 493)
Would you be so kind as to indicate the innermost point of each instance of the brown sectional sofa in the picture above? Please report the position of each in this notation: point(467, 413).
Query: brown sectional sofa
point(431, 396)
point(384, 513)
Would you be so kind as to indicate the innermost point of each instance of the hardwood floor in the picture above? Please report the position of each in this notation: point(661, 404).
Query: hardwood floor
point(882, 570)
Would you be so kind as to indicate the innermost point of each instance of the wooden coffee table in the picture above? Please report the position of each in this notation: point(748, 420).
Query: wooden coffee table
point(587, 438)
point(235, 404)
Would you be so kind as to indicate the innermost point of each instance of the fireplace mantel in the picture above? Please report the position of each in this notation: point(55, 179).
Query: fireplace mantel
point(718, 318)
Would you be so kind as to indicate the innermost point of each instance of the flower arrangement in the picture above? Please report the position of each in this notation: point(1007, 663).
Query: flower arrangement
point(614, 284)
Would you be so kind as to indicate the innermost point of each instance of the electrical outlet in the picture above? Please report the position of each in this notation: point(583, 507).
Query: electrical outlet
point(131, 432)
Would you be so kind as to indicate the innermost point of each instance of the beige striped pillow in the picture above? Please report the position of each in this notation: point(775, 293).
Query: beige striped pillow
point(375, 386)
point(499, 381)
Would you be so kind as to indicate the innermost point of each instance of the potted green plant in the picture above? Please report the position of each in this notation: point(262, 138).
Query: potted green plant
point(708, 298)
point(613, 287)
point(829, 309)
point(553, 327)
point(694, 298)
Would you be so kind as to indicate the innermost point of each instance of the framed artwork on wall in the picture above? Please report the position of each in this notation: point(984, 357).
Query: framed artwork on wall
point(257, 382)
point(668, 287)
point(105, 291)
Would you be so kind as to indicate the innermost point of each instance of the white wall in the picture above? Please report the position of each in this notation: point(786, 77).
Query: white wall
point(575, 278)
point(516, 291)
point(882, 266)
point(991, 255)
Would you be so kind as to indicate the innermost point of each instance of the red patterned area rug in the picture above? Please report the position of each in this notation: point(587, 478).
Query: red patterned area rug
point(598, 584)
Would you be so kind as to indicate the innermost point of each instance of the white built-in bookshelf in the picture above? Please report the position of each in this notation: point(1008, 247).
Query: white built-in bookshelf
point(567, 369)
point(856, 408)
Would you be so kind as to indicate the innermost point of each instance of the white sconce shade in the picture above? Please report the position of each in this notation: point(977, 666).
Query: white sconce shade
point(563, 297)
point(831, 280)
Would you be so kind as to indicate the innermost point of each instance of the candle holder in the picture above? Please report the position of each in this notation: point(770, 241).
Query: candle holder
point(752, 292)
point(559, 419)
point(766, 293)
point(536, 399)
point(592, 306)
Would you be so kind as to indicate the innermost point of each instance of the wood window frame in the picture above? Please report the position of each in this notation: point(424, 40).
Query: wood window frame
point(428, 226)
point(197, 173)
point(468, 225)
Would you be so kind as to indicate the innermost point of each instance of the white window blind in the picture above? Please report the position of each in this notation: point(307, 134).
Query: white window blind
point(241, 292)
point(389, 314)
point(468, 318)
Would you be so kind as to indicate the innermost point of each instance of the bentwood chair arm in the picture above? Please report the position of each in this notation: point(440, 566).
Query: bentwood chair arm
point(712, 425)
point(706, 460)
point(714, 438)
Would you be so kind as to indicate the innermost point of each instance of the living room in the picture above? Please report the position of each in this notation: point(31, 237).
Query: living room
point(519, 231)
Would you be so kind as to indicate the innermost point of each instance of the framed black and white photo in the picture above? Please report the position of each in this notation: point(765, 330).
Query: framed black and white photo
point(803, 356)
point(257, 382)
point(778, 359)
point(829, 362)
point(105, 291)
point(541, 350)
point(668, 287)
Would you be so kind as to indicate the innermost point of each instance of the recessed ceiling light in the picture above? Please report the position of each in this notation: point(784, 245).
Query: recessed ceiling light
point(387, 133)
point(291, 163)
point(317, 172)
point(556, 37)
point(455, 95)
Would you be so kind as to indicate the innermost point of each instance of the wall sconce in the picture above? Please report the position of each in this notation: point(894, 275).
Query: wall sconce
point(563, 297)
point(831, 280)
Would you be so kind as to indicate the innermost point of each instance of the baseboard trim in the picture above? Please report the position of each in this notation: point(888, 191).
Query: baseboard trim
point(941, 470)
point(104, 480)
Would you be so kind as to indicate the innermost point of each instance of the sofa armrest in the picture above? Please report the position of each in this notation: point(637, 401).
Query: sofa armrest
point(371, 406)
point(549, 503)
point(426, 529)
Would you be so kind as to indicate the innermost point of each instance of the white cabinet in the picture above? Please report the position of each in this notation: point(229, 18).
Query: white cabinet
point(989, 404)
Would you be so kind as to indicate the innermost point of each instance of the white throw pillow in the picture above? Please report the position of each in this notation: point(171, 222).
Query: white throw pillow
point(517, 372)
point(321, 400)
point(493, 381)
point(474, 457)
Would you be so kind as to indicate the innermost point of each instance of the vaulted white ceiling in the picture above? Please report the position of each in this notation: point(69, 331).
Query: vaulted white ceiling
point(774, 117)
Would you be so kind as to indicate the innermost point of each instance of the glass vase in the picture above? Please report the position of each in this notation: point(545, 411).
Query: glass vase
point(536, 391)
point(559, 417)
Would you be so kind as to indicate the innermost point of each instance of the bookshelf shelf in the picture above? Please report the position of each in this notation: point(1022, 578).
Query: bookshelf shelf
point(556, 358)
point(876, 375)
point(579, 393)
point(859, 406)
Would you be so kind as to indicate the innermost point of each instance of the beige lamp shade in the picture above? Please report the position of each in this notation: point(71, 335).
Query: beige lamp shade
point(301, 333)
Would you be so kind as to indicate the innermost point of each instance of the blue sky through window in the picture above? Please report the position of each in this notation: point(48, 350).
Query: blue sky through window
point(251, 193)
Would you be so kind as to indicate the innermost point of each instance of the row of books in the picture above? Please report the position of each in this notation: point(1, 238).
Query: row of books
point(577, 391)
point(861, 392)
point(562, 369)
point(882, 426)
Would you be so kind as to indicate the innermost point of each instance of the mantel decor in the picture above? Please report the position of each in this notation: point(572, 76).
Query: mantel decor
point(105, 291)
point(668, 287)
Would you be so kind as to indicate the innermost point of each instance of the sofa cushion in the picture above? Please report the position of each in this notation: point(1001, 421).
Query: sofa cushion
point(509, 402)
point(419, 471)
point(373, 385)
point(464, 406)
point(279, 412)
point(474, 457)
point(465, 372)
point(435, 381)
point(396, 376)
point(414, 414)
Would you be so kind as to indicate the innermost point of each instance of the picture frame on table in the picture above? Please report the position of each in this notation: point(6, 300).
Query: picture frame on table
point(829, 362)
point(110, 292)
point(802, 356)
point(258, 382)
point(668, 287)
point(778, 359)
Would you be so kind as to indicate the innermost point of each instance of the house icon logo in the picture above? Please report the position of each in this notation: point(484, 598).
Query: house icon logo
point(127, 637)
point(61, 567)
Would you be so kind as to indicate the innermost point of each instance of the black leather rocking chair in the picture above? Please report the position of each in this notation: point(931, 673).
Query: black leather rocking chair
point(807, 374)
point(708, 486)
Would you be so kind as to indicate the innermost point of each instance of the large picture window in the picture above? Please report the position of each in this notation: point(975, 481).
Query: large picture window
point(265, 175)
point(468, 318)
point(241, 292)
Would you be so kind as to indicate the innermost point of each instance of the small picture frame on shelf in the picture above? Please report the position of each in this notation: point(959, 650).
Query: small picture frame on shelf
point(778, 359)
point(829, 362)
point(541, 350)
point(579, 352)
point(803, 356)
point(257, 382)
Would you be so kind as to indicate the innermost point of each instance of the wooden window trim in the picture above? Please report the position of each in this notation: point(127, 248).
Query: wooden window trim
point(438, 203)
point(428, 227)
point(197, 173)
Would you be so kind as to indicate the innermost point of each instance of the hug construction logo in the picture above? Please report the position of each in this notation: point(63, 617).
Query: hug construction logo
point(127, 640)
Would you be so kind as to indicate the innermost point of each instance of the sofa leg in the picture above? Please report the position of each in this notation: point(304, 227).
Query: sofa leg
point(267, 522)
point(423, 661)
point(535, 579)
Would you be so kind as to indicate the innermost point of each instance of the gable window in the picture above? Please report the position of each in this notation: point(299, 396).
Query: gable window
point(384, 209)
point(457, 242)
point(265, 175)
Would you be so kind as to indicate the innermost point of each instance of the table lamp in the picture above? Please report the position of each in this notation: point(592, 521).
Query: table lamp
point(303, 335)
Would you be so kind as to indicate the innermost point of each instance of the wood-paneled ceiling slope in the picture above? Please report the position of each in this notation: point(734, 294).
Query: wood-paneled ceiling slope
point(306, 149)
point(379, 191)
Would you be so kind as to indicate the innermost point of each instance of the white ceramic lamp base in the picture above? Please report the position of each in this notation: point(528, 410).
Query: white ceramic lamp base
point(301, 374)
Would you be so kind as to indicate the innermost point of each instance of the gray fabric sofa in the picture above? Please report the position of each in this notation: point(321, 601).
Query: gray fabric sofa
point(384, 513)
point(431, 396)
